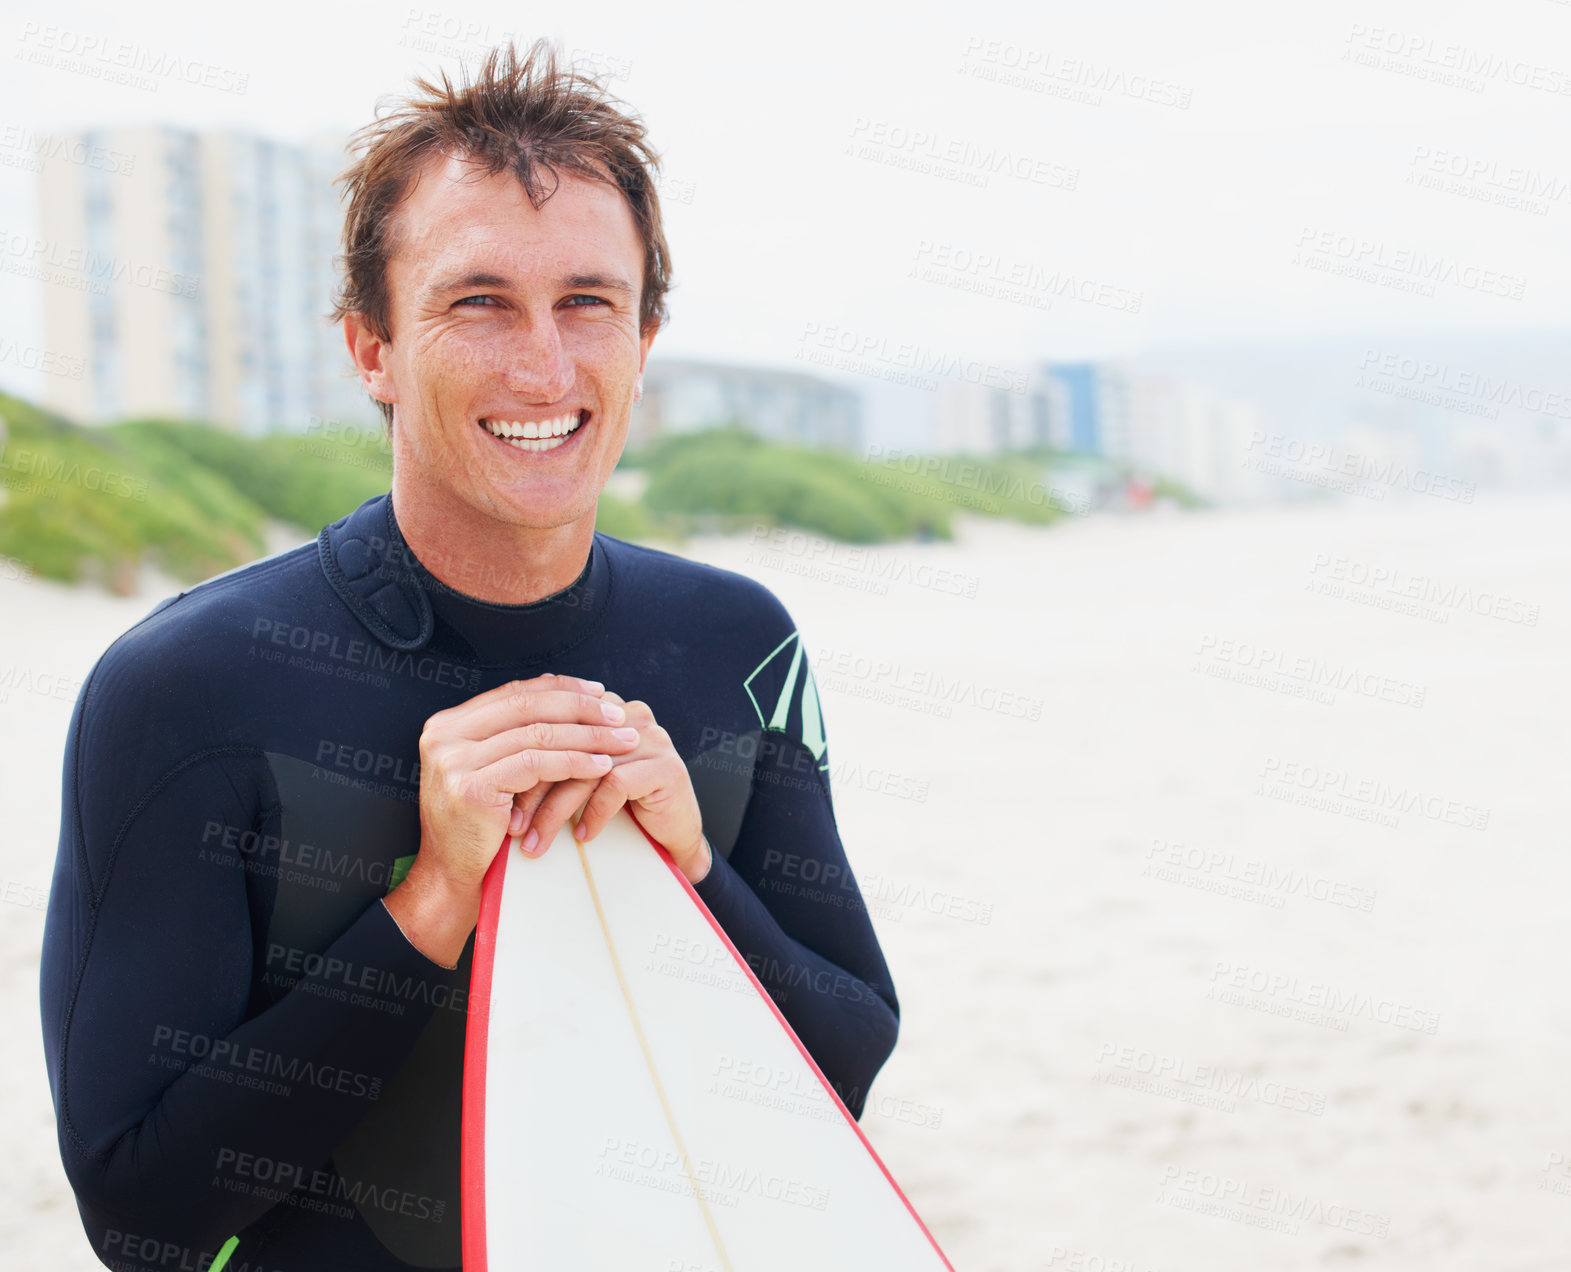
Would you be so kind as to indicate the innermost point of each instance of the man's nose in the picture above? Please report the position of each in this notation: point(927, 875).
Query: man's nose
point(536, 363)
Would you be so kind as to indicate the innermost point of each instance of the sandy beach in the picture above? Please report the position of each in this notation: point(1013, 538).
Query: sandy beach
point(1218, 859)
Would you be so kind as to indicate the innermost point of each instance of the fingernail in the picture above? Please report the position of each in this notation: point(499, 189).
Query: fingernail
point(580, 830)
point(593, 686)
point(612, 713)
point(628, 734)
point(602, 761)
point(531, 839)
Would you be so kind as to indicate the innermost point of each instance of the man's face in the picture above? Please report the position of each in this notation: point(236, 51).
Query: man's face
point(504, 316)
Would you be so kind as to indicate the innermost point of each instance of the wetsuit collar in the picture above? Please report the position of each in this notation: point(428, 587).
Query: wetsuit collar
point(376, 573)
point(363, 565)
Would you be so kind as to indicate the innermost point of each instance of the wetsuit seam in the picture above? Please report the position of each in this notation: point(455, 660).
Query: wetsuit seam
point(95, 902)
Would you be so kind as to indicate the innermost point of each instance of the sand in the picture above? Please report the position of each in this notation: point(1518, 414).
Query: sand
point(1175, 995)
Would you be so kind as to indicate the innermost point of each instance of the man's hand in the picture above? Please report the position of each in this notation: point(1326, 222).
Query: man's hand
point(651, 777)
point(475, 760)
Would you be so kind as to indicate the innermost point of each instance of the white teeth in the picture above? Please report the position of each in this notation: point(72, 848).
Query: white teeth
point(534, 435)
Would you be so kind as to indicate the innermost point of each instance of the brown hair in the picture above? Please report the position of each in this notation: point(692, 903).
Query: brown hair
point(527, 117)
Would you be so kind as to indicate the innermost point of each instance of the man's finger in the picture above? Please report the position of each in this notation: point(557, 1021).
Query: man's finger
point(535, 684)
point(560, 803)
point(524, 805)
point(625, 783)
point(547, 735)
point(524, 770)
point(479, 719)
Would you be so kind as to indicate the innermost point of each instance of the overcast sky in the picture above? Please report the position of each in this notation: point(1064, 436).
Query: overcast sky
point(1226, 138)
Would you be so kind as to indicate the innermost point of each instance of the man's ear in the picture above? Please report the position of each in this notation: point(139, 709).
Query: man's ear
point(369, 353)
point(644, 341)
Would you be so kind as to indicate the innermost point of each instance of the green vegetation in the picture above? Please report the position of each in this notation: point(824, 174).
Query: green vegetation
point(194, 500)
point(304, 479)
point(727, 477)
point(88, 503)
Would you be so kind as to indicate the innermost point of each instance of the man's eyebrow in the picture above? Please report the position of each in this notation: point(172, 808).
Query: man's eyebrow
point(604, 282)
point(484, 278)
point(475, 278)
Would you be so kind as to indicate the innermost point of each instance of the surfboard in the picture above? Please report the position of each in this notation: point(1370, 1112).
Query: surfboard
point(634, 1101)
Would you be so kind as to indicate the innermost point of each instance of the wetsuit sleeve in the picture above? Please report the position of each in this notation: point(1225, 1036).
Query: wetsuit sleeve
point(174, 1088)
point(789, 902)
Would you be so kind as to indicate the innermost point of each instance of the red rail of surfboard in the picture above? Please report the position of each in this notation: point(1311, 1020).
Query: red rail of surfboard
point(472, 1156)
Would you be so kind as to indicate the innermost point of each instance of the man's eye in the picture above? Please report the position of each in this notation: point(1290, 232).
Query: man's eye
point(469, 299)
point(599, 300)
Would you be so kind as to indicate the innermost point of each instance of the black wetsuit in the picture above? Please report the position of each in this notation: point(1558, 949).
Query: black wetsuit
point(240, 1040)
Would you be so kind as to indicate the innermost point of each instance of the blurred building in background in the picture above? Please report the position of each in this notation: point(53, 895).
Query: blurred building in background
point(195, 273)
point(980, 419)
point(780, 406)
point(190, 275)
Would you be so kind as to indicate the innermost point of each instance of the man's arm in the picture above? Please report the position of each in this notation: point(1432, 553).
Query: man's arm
point(160, 1082)
point(789, 902)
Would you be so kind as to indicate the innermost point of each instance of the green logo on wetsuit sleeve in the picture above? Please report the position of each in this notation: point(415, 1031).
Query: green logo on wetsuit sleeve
point(784, 683)
point(400, 869)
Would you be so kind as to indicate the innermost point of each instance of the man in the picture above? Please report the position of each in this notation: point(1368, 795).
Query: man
point(283, 787)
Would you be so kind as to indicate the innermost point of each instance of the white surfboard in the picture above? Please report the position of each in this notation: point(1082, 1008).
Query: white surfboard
point(633, 1099)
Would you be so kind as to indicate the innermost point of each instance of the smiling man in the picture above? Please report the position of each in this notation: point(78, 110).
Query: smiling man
point(284, 787)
